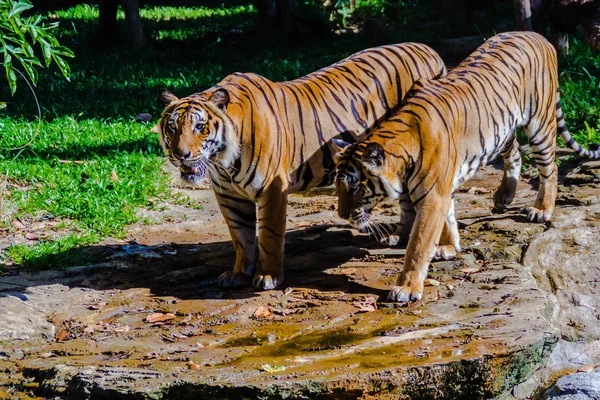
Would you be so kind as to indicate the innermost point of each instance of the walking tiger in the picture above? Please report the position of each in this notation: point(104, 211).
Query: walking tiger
point(445, 130)
point(260, 140)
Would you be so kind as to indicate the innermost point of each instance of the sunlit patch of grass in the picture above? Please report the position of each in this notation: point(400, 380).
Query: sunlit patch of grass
point(580, 92)
point(94, 173)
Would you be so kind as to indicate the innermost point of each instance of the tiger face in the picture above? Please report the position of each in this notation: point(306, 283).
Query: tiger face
point(196, 133)
point(364, 178)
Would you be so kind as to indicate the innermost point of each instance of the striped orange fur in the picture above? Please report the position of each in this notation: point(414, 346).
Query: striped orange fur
point(260, 140)
point(444, 132)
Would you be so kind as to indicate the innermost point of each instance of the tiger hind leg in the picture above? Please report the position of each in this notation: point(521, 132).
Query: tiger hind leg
point(512, 171)
point(543, 146)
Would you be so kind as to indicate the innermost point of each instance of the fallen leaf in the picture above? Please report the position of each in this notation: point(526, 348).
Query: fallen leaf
point(367, 305)
point(17, 224)
point(113, 176)
point(33, 236)
point(96, 306)
point(263, 312)
point(471, 270)
point(288, 290)
point(478, 190)
point(194, 365)
point(485, 286)
point(286, 311)
point(303, 224)
point(272, 368)
point(159, 317)
point(47, 355)
point(587, 368)
point(61, 335)
point(450, 287)
point(432, 282)
point(78, 162)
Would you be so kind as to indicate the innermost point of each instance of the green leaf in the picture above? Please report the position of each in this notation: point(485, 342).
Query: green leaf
point(46, 52)
point(2, 105)
point(11, 76)
point(19, 7)
point(62, 65)
point(31, 71)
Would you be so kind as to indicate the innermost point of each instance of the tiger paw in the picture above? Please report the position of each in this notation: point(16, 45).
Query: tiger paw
point(412, 291)
point(447, 252)
point(502, 198)
point(394, 240)
point(536, 215)
point(234, 279)
point(267, 282)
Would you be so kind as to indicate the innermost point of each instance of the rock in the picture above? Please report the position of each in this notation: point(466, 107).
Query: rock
point(565, 264)
point(20, 321)
point(579, 386)
point(143, 118)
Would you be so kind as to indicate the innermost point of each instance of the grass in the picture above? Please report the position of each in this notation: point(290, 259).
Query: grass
point(88, 130)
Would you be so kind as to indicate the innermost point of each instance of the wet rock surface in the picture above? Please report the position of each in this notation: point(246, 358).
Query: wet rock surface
point(580, 386)
point(503, 319)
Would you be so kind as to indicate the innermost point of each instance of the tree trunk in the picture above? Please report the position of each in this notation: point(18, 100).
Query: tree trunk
point(134, 23)
point(108, 21)
point(523, 15)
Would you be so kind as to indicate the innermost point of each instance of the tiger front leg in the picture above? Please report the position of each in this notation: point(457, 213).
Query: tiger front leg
point(449, 244)
point(240, 216)
point(429, 222)
point(272, 207)
point(407, 218)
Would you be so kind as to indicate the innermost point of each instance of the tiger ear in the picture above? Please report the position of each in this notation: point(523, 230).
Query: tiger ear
point(338, 146)
point(220, 98)
point(373, 156)
point(166, 97)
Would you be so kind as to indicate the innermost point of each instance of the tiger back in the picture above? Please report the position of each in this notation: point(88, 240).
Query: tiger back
point(259, 140)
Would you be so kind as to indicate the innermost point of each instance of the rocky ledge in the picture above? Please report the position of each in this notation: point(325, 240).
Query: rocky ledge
point(515, 311)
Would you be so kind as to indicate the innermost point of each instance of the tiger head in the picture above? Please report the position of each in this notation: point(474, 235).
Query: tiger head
point(364, 177)
point(195, 132)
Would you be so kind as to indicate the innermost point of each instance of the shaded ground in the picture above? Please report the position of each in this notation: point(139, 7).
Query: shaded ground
point(150, 320)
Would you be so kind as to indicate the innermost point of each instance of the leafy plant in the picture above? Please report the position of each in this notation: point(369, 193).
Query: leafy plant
point(19, 36)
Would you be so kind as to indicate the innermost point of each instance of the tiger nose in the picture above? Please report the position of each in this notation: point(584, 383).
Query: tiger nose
point(181, 156)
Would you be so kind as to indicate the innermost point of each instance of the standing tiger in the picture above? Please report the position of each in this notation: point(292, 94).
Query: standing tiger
point(444, 132)
point(260, 140)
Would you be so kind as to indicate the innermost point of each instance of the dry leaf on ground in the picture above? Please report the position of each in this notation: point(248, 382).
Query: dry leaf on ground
point(272, 368)
point(367, 305)
point(478, 190)
point(303, 224)
point(63, 334)
point(471, 270)
point(432, 282)
point(159, 317)
point(587, 368)
point(194, 365)
point(263, 312)
point(114, 176)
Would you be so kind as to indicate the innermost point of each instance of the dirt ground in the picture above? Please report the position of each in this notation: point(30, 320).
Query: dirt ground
point(149, 320)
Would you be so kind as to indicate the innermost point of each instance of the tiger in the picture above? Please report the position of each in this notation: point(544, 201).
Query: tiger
point(440, 136)
point(260, 140)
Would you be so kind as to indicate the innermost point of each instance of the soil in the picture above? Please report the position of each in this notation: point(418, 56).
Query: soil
point(149, 320)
